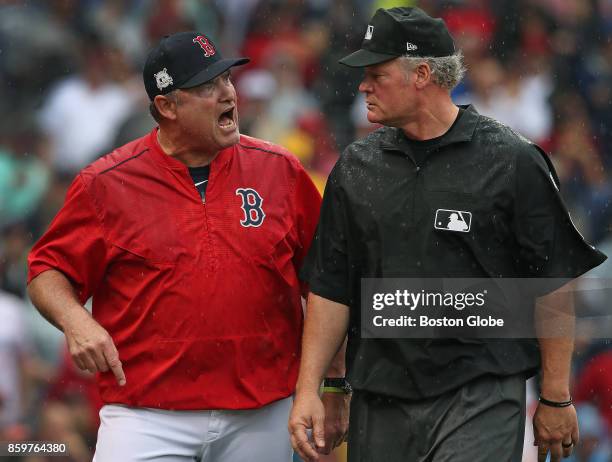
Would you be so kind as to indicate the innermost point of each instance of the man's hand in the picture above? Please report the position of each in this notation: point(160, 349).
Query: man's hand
point(336, 407)
point(307, 413)
point(555, 430)
point(91, 346)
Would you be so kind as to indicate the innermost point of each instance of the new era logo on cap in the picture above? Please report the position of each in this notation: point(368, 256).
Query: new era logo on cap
point(453, 220)
point(401, 31)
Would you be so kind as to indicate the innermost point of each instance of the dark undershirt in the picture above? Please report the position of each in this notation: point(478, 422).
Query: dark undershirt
point(421, 149)
point(199, 175)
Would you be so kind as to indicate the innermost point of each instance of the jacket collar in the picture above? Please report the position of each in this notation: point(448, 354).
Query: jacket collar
point(167, 161)
point(393, 138)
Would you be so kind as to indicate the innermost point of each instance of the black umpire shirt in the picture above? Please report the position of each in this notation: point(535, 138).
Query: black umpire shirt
point(378, 220)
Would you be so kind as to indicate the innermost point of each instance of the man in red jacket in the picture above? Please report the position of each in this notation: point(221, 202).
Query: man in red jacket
point(189, 240)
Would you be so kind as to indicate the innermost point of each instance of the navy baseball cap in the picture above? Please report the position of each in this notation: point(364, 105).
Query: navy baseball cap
point(184, 60)
point(403, 31)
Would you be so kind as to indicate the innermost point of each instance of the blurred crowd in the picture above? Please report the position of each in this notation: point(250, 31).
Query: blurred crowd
point(71, 90)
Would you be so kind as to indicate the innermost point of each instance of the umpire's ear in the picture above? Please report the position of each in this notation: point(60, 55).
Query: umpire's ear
point(166, 105)
point(423, 75)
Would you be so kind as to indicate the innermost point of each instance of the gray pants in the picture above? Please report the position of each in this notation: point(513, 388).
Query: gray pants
point(130, 434)
point(482, 421)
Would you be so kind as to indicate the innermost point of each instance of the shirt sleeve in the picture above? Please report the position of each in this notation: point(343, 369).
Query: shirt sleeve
point(74, 244)
point(326, 266)
point(550, 246)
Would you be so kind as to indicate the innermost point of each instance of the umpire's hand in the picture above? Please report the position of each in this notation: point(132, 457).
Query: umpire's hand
point(307, 413)
point(91, 346)
point(555, 430)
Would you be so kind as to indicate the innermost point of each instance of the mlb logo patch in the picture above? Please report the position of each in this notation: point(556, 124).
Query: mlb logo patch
point(453, 220)
point(369, 33)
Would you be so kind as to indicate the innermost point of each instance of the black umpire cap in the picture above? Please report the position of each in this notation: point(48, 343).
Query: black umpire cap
point(184, 60)
point(403, 31)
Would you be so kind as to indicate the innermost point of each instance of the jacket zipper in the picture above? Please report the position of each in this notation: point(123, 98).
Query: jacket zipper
point(208, 244)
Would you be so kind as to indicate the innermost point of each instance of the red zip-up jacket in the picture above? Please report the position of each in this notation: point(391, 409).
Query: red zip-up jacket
point(201, 299)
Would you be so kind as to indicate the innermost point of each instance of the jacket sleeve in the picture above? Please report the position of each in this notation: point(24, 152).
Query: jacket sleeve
point(74, 244)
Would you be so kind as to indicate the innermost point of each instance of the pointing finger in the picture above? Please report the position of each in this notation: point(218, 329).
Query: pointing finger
point(112, 359)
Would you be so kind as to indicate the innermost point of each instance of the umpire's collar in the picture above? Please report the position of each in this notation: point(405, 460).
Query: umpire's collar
point(392, 138)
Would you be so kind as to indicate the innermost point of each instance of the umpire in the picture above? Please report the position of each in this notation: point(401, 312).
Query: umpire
point(438, 191)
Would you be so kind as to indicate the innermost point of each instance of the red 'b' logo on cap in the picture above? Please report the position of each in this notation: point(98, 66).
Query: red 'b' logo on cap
point(209, 50)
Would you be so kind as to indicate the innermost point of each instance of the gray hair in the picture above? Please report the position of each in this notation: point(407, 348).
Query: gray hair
point(447, 71)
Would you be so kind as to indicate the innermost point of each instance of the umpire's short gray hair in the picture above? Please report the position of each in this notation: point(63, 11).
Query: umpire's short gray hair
point(447, 71)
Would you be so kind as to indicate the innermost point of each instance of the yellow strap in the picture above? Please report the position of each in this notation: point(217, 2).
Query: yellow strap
point(332, 390)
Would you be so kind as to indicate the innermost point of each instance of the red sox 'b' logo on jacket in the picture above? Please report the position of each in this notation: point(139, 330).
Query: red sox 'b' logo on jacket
point(251, 206)
point(209, 50)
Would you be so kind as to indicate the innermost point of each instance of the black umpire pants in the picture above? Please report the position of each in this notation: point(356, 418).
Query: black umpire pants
point(482, 421)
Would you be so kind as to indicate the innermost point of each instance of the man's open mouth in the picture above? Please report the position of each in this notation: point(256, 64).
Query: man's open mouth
point(226, 119)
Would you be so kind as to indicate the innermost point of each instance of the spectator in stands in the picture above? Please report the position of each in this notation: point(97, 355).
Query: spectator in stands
point(594, 438)
point(15, 348)
point(83, 112)
point(594, 385)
